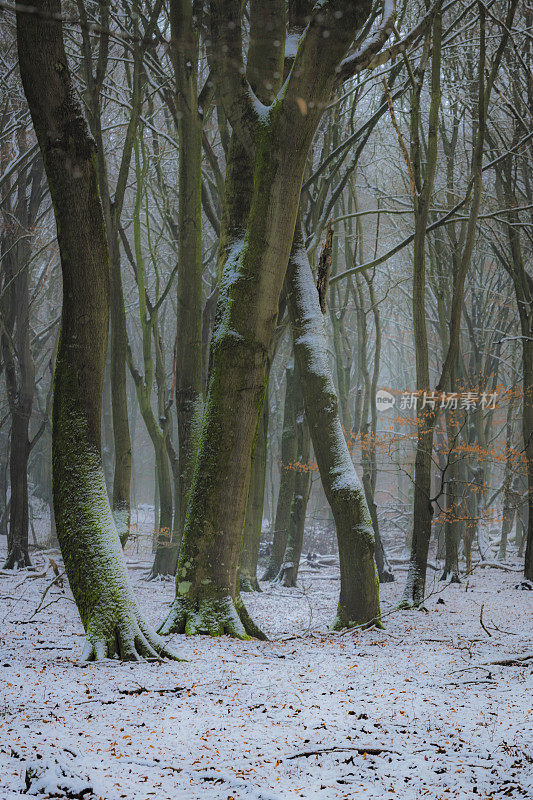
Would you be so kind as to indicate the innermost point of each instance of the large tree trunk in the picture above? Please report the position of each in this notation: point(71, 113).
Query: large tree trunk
point(288, 573)
point(287, 477)
point(359, 593)
point(253, 521)
point(89, 542)
point(257, 232)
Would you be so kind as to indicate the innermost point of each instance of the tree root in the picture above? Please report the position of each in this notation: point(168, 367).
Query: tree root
point(249, 585)
point(127, 638)
point(450, 575)
point(342, 622)
point(211, 617)
point(387, 576)
point(16, 559)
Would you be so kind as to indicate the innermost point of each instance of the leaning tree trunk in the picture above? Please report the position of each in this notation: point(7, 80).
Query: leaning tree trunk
point(253, 522)
point(88, 538)
point(359, 593)
point(287, 478)
point(288, 573)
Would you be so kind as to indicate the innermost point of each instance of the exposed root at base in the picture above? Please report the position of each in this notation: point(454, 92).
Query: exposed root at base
point(342, 621)
point(411, 605)
point(211, 617)
point(452, 577)
point(249, 585)
point(127, 640)
point(17, 559)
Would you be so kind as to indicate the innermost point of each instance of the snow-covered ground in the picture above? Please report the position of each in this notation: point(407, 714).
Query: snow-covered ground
point(415, 711)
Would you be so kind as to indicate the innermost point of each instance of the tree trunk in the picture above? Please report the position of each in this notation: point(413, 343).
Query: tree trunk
point(287, 477)
point(359, 593)
point(15, 339)
point(88, 538)
point(422, 193)
point(17, 537)
point(189, 395)
point(527, 426)
point(118, 340)
point(508, 494)
point(257, 231)
point(253, 522)
point(288, 573)
point(451, 533)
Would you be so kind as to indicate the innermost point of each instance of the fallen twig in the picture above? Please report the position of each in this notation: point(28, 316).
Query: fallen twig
point(370, 751)
point(481, 621)
point(515, 661)
point(143, 690)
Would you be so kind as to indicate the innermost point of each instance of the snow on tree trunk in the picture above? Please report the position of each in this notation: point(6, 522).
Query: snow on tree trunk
point(359, 594)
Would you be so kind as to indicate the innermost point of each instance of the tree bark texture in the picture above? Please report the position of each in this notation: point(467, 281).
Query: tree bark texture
point(86, 531)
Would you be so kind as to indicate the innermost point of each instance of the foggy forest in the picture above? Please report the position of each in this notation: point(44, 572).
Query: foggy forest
point(266, 399)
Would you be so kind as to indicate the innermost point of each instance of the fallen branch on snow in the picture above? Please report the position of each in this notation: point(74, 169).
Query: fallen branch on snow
point(370, 751)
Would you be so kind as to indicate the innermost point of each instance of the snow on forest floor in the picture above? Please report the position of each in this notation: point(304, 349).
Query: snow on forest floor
point(415, 711)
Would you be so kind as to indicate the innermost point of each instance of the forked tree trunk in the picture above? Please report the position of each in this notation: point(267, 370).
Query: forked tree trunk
point(274, 142)
point(287, 477)
point(288, 573)
point(89, 542)
point(254, 510)
point(359, 592)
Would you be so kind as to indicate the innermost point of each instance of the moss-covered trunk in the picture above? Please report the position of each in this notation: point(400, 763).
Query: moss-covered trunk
point(287, 477)
point(207, 599)
point(253, 521)
point(270, 149)
point(359, 593)
point(88, 538)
